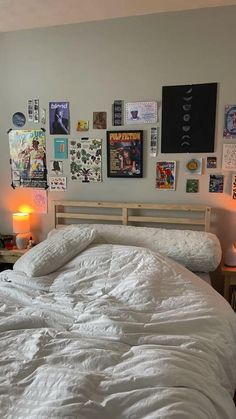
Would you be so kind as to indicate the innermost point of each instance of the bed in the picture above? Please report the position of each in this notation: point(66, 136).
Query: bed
point(110, 321)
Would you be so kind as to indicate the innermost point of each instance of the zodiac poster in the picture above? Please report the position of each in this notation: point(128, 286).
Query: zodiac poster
point(59, 118)
point(188, 118)
point(86, 160)
point(125, 154)
point(165, 175)
point(28, 158)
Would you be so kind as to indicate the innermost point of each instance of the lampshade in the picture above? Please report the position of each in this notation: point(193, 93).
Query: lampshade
point(21, 223)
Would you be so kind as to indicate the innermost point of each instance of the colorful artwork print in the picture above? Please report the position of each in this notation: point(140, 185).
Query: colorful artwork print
point(59, 118)
point(28, 158)
point(86, 160)
point(216, 183)
point(233, 186)
point(125, 154)
point(188, 118)
point(230, 121)
point(60, 148)
point(211, 162)
point(165, 175)
point(99, 120)
point(192, 185)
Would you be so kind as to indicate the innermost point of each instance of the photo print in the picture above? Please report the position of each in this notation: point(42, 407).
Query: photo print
point(188, 118)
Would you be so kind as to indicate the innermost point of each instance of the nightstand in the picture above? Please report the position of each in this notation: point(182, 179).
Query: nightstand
point(229, 273)
point(10, 256)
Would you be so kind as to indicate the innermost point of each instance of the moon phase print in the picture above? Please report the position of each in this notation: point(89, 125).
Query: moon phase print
point(188, 118)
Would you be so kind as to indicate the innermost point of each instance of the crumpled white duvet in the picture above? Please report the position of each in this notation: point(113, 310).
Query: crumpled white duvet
point(118, 333)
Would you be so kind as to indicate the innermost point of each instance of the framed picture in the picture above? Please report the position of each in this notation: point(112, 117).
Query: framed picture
point(125, 154)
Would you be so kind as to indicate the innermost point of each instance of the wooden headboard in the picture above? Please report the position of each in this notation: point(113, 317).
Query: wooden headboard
point(129, 213)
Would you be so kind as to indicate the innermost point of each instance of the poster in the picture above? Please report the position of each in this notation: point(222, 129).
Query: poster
point(39, 201)
point(233, 194)
point(229, 157)
point(230, 121)
point(165, 175)
point(86, 160)
point(216, 183)
point(57, 183)
point(59, 118)
point(188, 118)
point(61, 148)
point(125, 154)
point(28, 158)
point(141, 112)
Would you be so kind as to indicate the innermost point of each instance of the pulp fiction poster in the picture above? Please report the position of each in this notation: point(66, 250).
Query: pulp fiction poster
point(28, 158)
point(188, 118)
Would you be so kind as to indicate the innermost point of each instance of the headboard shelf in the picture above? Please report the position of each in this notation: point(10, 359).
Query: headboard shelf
point(131, 212)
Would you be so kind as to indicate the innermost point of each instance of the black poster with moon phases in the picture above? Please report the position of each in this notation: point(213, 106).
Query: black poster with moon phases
point(188, 118)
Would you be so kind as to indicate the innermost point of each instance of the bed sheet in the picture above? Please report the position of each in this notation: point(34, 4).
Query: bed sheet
point(118, 332)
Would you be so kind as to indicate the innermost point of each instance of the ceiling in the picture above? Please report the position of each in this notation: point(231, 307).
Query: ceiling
point(27, 14)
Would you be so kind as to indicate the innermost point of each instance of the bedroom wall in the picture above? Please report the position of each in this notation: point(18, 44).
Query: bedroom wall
point(90, 65)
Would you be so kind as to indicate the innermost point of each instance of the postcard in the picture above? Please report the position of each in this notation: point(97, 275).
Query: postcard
point(141, 112)
point(61, 148)
point(99, 120)
point(57, 183)
point(82, 125)
point(230, 121)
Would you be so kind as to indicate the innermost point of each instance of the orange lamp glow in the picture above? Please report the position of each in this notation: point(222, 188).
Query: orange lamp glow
point(21, 222)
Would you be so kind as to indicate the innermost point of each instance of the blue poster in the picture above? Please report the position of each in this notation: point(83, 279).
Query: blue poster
point(60, 148)
point(59, 118)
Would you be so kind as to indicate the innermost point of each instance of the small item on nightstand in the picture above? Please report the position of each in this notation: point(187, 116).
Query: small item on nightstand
point(31, 243)
point(230, 256)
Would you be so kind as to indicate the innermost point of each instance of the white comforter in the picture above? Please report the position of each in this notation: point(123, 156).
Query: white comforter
point(120, 332)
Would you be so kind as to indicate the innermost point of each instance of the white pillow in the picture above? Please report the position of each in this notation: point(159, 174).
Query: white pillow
point(55, 251)
point(196, 250)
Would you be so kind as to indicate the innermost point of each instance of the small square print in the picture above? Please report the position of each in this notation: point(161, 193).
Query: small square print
point(192, 185)
point(211, 162)
point(216, 183)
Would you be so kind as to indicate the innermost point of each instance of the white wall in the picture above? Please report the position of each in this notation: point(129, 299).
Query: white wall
point(90, 65)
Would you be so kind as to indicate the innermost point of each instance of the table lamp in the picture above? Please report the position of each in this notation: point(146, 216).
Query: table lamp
point(21, 228)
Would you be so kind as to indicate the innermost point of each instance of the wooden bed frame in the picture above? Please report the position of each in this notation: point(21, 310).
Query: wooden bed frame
point(129, 213)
